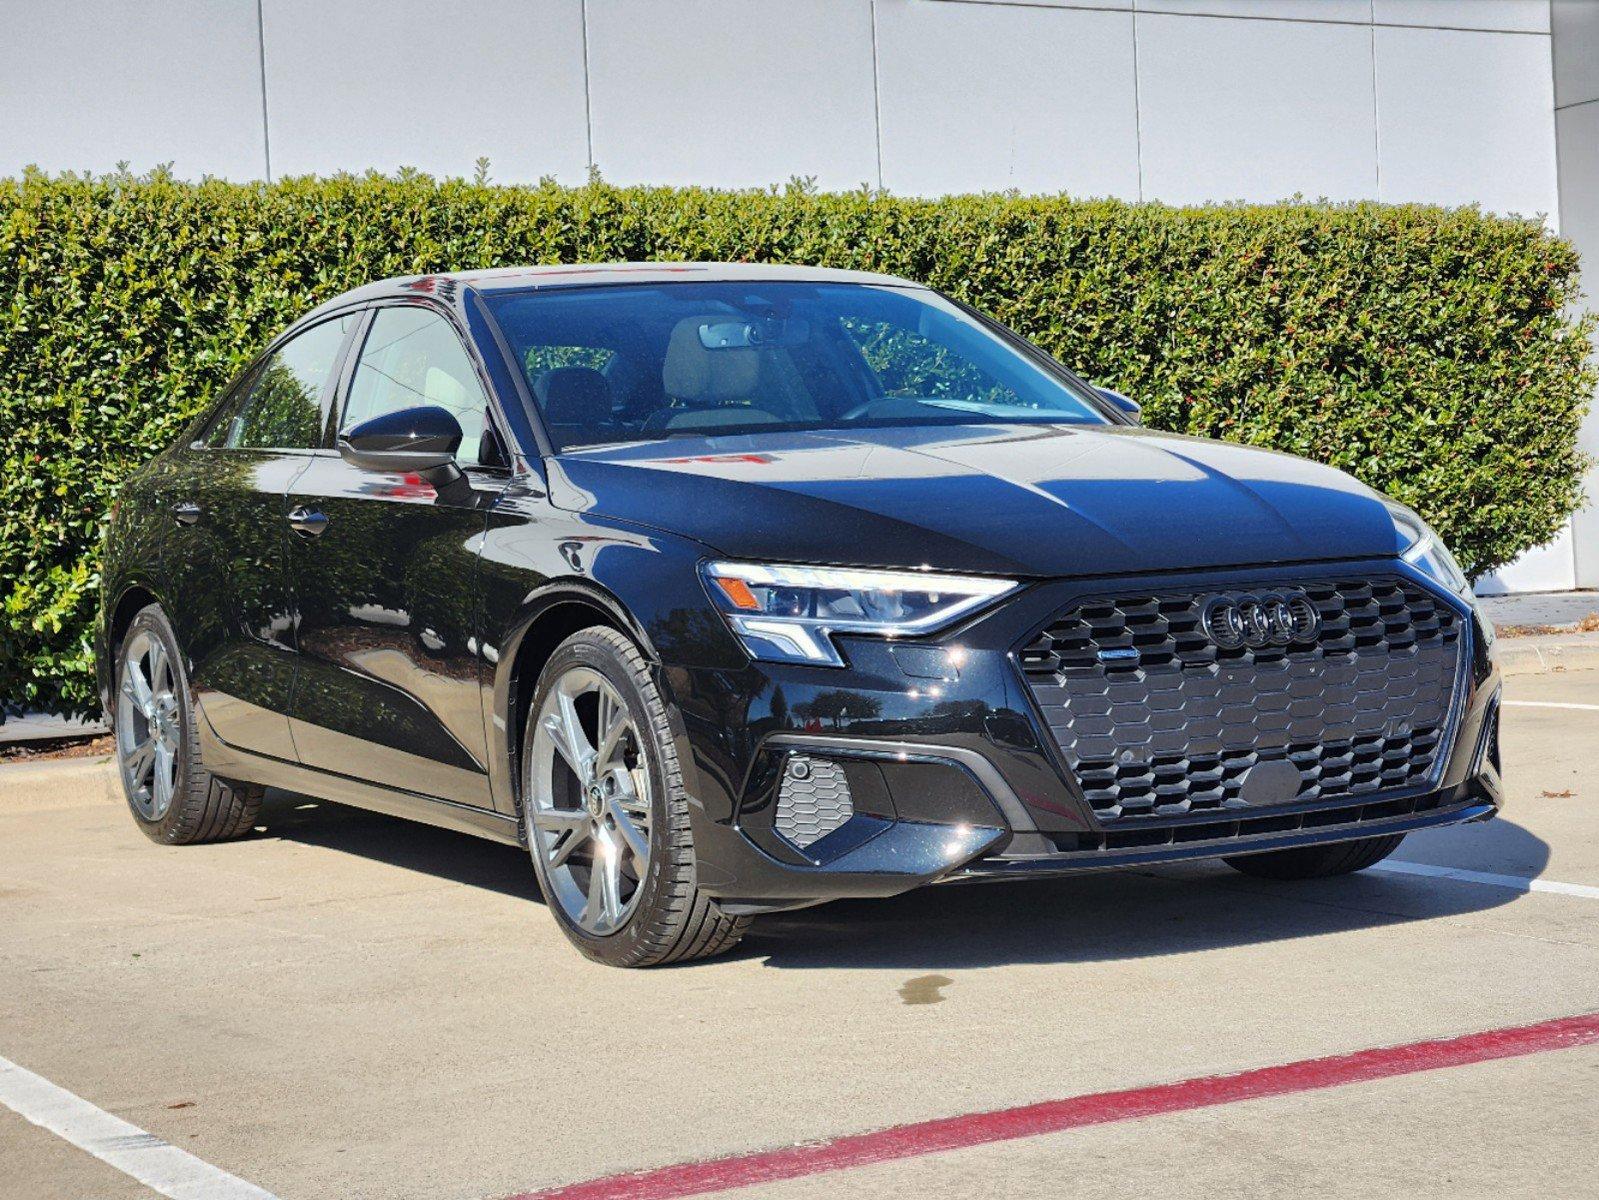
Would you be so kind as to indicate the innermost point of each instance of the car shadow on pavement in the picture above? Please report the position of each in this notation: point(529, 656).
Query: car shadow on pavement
point(1126, 914)
point(458, 857)
point(1086, 918)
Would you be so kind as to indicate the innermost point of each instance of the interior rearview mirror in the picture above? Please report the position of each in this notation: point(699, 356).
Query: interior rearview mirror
point(1125, 405)
point(755, 334)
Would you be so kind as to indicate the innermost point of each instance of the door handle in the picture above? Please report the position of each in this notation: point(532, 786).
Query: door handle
point(186, 512)
point(307, 522)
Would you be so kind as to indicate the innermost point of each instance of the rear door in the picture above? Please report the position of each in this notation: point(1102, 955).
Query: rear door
point(230, 600)
point(385, 577)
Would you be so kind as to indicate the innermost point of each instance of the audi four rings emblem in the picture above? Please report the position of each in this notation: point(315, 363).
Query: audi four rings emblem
point(1274, 619)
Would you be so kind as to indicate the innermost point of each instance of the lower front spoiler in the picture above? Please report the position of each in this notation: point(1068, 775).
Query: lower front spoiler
point(903, 855)
point(1044, 866)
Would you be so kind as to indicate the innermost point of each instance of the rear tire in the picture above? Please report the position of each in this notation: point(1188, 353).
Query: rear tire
point(174, 799)
point(610, 838)
point(1317, 862)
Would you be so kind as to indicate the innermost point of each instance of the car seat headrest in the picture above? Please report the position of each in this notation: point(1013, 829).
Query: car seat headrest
point(700, 375)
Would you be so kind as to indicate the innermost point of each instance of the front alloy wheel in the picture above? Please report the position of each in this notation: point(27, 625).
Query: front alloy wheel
point(590, 804)
point(605, 812)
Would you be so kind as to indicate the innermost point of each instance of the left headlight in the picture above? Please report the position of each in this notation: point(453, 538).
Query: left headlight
point(786, 613)
point(1420, 546)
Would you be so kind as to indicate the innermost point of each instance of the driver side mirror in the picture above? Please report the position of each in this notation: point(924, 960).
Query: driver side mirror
point(422, 440)
point(1125, 405)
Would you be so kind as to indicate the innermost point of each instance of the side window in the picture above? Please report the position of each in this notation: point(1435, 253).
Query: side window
point(283, 407)
point(413, 356)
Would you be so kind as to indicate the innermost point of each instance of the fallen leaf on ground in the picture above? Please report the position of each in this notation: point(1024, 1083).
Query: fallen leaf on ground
point(1588, 624)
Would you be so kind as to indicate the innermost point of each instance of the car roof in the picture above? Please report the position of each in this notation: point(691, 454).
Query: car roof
point(450, 287)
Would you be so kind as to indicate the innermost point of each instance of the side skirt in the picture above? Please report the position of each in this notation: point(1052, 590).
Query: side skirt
point(233, 763)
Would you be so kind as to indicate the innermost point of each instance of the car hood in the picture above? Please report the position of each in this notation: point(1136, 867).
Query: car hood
point(1016, 500)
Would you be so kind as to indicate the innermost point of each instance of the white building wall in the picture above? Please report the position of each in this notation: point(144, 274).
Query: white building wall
point(1576, 61)
point(981, 97)
point(740, 93)
point(1463, 119)
point(88, 84)
point(352, 84)
point(1212, 117)
point(1440, 101)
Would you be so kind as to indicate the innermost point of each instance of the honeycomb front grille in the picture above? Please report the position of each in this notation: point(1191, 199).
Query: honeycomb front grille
point(1167, 723)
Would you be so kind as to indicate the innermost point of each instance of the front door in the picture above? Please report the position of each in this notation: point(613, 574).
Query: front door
point(384, 573)
point(226, 495)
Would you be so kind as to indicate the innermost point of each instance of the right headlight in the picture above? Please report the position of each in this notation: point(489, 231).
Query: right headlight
point(1421, 547)
point(786, 613)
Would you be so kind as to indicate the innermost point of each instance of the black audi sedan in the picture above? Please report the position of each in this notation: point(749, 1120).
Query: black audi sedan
point(728, 589)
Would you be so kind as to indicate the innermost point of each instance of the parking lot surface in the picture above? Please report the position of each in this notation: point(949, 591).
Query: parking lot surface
point(347, 1005)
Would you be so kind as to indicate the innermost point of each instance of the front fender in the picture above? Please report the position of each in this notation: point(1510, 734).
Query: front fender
point(646, 582)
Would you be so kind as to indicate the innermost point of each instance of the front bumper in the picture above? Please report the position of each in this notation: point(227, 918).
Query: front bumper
point(955, 777)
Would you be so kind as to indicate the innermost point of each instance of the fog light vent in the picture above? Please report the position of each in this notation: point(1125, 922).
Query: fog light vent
point(1488, 743)
point(812, 801)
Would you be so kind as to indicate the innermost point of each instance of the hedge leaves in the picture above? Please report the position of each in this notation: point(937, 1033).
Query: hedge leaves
point(1431, 352)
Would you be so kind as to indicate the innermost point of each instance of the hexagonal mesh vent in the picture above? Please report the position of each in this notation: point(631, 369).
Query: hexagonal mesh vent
point(812, 801)
point(1173, 724)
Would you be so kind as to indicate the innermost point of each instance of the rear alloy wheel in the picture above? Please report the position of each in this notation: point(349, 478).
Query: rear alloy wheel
point(149, 738)
point(605, 813)
point(1317, 862)
point(173, 797)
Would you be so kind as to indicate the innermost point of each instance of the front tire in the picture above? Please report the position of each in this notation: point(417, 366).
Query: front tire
point(606, 815)
point(1317, 862)
point(173, 798)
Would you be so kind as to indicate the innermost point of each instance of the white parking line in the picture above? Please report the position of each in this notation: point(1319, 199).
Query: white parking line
point(1551, 704)
point(154, 1163)
point(1514, 882)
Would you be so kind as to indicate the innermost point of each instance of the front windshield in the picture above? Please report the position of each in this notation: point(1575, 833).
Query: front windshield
point(639, 362)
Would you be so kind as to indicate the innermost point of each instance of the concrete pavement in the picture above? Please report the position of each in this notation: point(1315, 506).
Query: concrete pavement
point(1540, 608)
point(347, 1005)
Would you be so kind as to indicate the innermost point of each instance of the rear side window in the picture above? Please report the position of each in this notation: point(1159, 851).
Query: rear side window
point(282, 407)
point(413, 357)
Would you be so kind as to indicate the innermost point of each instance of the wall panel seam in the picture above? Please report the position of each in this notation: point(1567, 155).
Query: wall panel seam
point(1376, 106)
point(1199, 16)
point(588, 85)
point(1138, 109)
point(877, 99)
point(266, 127)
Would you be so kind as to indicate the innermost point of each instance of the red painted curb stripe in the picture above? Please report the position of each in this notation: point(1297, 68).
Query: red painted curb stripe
point(1051, 1116)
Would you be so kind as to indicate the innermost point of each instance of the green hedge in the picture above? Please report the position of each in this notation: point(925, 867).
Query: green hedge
point(1431, 352)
